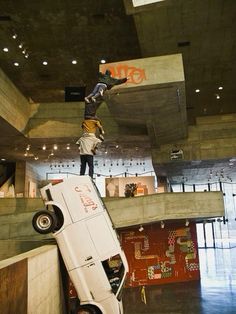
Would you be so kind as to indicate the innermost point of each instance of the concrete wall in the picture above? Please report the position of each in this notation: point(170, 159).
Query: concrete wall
point(154, 70)
point(53, 120)
point(213, 137)
point(14, 107)
point(31, 283)
point(16, 233)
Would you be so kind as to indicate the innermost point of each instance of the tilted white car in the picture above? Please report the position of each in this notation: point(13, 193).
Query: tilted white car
point(88, 243)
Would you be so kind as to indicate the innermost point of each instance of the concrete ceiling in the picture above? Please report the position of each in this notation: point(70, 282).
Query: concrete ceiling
point(59, 31)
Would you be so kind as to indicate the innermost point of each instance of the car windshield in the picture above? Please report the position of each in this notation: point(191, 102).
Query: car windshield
point(115, 272)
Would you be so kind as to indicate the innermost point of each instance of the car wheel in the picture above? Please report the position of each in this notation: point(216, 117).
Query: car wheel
point(86, 309)
point(44, 221)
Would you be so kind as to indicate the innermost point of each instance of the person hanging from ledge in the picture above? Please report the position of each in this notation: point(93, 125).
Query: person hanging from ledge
point(105, 82)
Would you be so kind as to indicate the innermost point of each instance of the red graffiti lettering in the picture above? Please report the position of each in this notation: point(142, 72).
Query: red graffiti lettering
point(134, 75)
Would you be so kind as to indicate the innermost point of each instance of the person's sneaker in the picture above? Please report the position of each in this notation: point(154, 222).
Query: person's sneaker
point(87, 100)
point(93, 99)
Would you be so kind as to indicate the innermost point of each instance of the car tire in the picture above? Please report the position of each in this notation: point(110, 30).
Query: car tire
point(44, 221)
point(87, 309)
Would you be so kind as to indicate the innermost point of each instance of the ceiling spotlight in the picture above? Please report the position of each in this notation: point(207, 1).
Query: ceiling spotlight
point(55, 147)
point(20, 46)
point(74, 62)
point(5, 49)
point(217, 96)
point(24, 52)
point(52, 154)
point(26, 55)
point(162, 224)
point(197, 90)
point(45, 63)
point(103, 61)
point(26, 154)
point(117, 146)
point(16, 64)
point(68, 146)
point(28, 147)
point(140, 228)
point(187, 223)
point(220, 87)
point(3, 159)
point(36, 158)
point(14, 36)
point(44, 147)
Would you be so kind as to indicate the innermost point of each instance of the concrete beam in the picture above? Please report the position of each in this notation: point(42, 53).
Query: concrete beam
point(165, 206)
point(58, 120)
point(14, 107)
point(153, 96)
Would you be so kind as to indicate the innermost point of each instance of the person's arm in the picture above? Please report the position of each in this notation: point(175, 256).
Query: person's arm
point(121, 81)
point(99, 126)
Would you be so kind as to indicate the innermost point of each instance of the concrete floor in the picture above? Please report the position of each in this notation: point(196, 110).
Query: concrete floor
point(215, 293)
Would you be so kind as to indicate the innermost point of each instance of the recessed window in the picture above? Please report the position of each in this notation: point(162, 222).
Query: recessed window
point(138, 3)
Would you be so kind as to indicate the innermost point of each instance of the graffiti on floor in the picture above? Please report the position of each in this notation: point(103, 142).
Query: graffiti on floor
point(161, 255)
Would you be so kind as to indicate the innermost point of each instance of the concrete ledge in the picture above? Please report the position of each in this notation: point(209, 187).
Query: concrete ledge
point(165, 206)
point(35, 276)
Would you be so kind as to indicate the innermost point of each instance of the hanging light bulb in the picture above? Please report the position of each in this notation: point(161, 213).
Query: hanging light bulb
point(162, 224)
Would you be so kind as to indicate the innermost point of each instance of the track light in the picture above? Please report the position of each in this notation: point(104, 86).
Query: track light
point(140, 228)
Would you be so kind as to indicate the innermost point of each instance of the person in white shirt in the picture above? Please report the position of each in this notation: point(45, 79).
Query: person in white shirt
point(88, 143)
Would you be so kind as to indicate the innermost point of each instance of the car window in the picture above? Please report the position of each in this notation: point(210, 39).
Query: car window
point(115, 272)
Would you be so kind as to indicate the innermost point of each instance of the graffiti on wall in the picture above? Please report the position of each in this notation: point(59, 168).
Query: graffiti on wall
point(134, 74)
